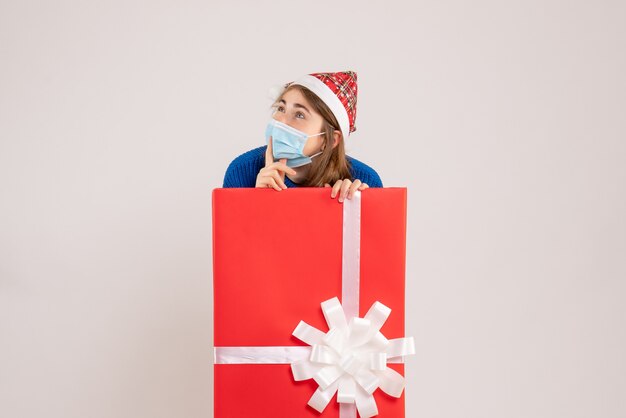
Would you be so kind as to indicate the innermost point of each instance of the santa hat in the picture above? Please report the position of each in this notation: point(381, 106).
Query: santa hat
point(338, 91)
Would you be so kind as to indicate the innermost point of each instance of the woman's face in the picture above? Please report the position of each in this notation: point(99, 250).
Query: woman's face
point(294, 110)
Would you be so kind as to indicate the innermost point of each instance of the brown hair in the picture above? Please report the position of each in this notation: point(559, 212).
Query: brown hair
point(331, 165)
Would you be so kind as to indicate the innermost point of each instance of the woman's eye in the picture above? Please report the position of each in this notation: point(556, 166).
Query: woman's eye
point(279, 108)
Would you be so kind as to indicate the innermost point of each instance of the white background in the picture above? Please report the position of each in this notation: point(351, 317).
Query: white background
point(505, 120)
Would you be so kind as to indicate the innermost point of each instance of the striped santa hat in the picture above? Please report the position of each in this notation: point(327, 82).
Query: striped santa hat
point(338, 91)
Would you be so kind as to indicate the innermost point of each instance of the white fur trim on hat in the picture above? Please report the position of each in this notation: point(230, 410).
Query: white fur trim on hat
point(328, 96)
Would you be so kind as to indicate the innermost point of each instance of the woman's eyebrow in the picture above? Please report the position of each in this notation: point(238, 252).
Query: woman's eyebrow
point(296, 105)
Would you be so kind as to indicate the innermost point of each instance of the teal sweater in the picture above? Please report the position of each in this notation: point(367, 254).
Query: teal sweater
point(243, 170)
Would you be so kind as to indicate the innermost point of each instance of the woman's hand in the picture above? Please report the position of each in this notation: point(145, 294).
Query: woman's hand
point(346, 188)
point(273, 174)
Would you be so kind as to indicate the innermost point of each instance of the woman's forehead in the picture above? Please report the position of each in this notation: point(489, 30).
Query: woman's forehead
point(294, 96)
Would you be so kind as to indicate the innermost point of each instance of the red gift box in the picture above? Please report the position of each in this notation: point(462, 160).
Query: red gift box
point(276, 257)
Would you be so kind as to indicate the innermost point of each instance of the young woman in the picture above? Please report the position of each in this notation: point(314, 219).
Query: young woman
point(305, 140)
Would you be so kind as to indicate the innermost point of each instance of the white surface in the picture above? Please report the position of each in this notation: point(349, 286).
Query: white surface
point(504, 119)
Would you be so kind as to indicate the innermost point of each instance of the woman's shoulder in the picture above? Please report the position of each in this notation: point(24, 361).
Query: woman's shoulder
point(364, 172)
point(242, 171)
point(255, 155)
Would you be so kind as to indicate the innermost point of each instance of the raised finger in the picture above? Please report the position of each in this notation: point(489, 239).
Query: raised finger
point(269, 156)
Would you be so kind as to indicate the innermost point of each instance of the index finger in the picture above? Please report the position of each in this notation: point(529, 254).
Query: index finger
point(281, 165)
point(269, 155)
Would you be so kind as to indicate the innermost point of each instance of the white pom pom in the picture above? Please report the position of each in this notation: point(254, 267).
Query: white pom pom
point(275, 91)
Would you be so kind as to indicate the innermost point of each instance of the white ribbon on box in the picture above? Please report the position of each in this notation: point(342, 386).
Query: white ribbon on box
point(351, 358)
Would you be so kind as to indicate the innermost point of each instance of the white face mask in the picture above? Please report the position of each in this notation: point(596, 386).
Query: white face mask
point(288, 142)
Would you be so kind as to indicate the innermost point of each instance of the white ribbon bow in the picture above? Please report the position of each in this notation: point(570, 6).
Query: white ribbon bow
point(351, 359)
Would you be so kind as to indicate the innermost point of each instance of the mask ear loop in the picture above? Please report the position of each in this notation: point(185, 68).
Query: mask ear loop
point(315, 155)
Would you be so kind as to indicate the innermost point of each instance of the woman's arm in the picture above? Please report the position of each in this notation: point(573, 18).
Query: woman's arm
point(242, 171)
